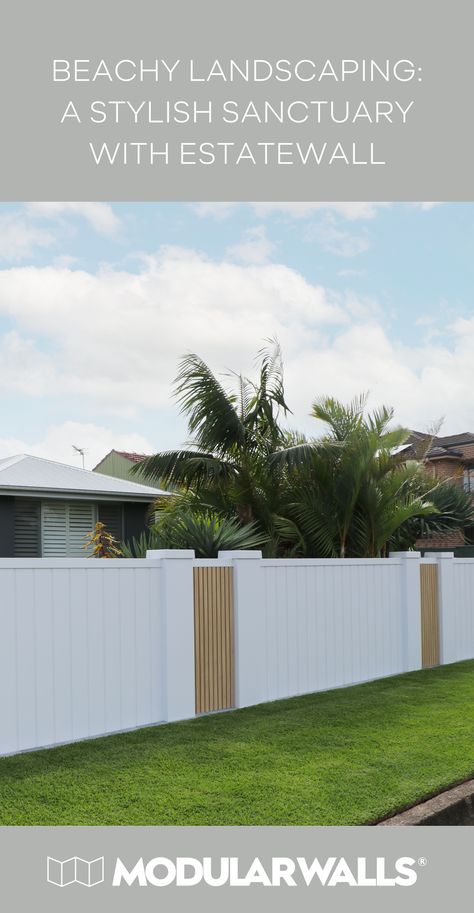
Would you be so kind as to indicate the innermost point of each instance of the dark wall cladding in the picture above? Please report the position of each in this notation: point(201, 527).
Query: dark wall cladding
point(27, 524)
point(7, 527)
point(135, 520)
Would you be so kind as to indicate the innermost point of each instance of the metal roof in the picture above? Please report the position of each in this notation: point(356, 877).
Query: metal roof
point(25, 474)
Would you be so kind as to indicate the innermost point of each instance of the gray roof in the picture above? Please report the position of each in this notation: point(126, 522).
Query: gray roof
point(447, 446)
point(24, 474)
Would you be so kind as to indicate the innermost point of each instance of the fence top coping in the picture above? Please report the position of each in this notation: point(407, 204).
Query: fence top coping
point(331, 562)
point(240, 555)
point(180, 554)
point(93, 564)
point(404, 555)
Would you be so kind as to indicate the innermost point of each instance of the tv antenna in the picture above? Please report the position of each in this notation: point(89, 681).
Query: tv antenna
point(81, 451)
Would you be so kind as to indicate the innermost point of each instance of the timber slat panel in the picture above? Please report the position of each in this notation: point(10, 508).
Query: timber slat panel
point(430, 653)
point(213, 638)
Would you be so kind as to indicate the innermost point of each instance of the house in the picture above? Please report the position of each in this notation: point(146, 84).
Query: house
point(47, 508)
point(447, 457)
point(119, 464)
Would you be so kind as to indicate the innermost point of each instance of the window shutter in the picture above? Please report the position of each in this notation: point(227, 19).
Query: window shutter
point(27, 528)
point(111, 515)
point(54, 529)
point(64, 528)
point(82, 519)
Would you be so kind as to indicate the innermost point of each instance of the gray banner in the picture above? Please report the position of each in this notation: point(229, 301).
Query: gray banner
point(419, 92)
point(435, 874)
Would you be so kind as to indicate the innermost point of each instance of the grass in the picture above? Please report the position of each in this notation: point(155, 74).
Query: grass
point(342, 757)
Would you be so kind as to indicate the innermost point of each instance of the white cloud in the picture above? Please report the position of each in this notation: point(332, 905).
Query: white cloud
point(426, 207)
point(58, 440)
point(114, 340)
point(19, 238)
point(254, 247)
point(422, 382)
point(350, 211)
point(37, 226)
point(23, 367)
point(115, 337)
point(337, 240)
point(218, 211)
point(100, 216)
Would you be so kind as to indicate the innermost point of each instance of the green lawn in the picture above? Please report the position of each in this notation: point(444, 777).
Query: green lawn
point(343, 757)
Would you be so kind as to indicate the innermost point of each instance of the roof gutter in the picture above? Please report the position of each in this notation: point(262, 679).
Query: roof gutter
point(59, 494)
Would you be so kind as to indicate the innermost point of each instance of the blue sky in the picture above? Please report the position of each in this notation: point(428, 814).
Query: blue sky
point(98, 301)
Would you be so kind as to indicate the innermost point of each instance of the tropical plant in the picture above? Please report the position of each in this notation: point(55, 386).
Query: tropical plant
point(454, 511)
point(355, 494)
point(349, 493)
point(205, 532)
point(233, 435)
point(101, 544)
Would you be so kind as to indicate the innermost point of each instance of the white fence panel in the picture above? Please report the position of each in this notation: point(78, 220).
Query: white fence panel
point(457, 608)
point(311, 625)
point(329, 625)
point(81, 649)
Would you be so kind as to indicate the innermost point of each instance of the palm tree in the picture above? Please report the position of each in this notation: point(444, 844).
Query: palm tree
point(354, 493)
point(233, 435)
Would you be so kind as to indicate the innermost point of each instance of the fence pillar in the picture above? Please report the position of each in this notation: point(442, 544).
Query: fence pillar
point(178, 631)
point(447, 649)
point(250, 633)
point(411, 600)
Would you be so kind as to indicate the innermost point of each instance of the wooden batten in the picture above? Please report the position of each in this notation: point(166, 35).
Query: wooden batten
point(214, 638)
point(430, 650)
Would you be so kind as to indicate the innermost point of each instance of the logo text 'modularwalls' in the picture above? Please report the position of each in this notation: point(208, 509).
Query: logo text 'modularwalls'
point(281, 870)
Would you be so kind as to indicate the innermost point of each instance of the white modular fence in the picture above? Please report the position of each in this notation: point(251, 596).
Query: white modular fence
point(85, 647)
point(456, 603)
point(90, 647)
point(312, 625)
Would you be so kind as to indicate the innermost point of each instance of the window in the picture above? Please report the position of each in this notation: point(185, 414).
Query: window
point(64, 527)
point(469, 479)
point(27, 528)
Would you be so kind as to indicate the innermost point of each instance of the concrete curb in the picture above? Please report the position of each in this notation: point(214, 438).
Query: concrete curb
point(451, 807)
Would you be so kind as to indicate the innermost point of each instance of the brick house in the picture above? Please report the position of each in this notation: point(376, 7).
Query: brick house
point(449, 457)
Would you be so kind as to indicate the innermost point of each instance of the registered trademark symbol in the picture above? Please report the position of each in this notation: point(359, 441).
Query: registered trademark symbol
point(422, 860)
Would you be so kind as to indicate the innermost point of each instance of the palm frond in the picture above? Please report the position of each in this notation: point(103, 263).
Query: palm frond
point(213, 419)
point(184, 467)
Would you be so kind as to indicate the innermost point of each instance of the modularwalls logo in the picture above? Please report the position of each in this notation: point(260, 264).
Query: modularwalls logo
point(231, 871)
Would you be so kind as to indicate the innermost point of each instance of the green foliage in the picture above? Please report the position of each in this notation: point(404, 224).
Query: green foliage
point(348, 493)
point(234, 432)
point(454, 511)
point(354, 493)
point(205, 532)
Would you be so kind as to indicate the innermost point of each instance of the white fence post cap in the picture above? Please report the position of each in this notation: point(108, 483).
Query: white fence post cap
point(241, 554)
point(404, 554)
point(187, 553)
